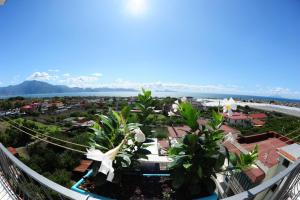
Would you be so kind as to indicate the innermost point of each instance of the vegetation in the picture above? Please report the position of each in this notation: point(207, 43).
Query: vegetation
point(280, 123)
point(55, 164)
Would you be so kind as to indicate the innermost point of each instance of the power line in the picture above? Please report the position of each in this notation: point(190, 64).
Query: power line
point(295, 137)
point(54, 138)
point(44, 140)
point(290, 134)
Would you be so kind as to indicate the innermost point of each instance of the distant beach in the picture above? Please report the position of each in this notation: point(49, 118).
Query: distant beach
point(261, 106)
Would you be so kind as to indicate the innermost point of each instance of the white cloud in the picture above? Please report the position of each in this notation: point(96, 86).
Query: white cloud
point(41, 76)
point(284, 92)
point(97, 74)
point(120, 83)
point(80, 81)
point(1, 83)
point(94, 81)
point(66, 75)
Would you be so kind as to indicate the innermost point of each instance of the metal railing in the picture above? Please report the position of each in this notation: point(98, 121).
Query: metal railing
point(284, 186)
point(21, 182)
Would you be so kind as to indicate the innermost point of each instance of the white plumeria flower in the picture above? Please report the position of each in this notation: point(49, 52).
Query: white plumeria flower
point(173, 142)
point(184, 99)
point(139, 136)
point(106, 160)
point(171, 114)
point(175, 107)
point(130, 142)
point(229, 106)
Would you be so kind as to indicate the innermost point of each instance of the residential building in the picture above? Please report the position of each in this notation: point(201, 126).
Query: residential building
point(271, 146)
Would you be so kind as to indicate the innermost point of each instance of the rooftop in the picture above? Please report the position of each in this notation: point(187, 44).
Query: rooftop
point(268, 155)
point(291, 152)
point(178, 131)
point(258, 116)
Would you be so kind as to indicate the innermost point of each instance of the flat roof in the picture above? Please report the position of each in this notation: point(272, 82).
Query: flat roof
point(291, 152)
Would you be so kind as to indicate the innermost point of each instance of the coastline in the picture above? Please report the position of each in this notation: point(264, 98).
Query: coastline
point(293, 111)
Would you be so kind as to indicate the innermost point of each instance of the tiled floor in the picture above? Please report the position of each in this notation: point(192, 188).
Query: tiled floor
point(5, 192)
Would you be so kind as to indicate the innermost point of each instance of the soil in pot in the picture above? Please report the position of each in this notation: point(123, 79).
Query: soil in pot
point(137, 187)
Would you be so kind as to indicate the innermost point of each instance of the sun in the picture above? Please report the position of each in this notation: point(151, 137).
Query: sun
point(136, 7)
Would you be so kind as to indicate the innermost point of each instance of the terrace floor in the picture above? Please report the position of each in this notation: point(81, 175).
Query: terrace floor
point(5, 192)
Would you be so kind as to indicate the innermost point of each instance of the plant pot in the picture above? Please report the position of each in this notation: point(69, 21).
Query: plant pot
point(77, 188)
point(129, 176)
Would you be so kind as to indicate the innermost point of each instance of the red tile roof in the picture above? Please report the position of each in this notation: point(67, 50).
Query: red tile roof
point(227, 129)
point(164, 143)
point(178, 131)
point(267, 154)
point(27, 107)
point(172, 132)
point(238, 117)
point(257, 122)
point(258, 116)
point(83, 167)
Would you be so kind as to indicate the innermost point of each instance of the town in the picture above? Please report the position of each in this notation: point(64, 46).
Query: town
point(72, 118)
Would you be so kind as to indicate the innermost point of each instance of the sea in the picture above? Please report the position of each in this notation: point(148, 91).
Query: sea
point(158, 94)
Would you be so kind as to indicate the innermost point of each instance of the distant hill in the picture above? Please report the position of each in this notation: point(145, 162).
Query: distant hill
point(39, 87)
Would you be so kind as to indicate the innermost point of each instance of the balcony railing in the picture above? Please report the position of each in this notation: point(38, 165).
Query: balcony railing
point(20, 182)
point(284, 186)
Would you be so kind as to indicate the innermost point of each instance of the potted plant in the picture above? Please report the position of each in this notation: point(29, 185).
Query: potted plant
point(116, 148)
point(199, 156)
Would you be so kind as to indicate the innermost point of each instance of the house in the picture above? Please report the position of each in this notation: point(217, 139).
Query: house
point(267, 165)
point(258, 116)
point(288, 155)
point(257, 122)
point(238, 119)
point(27, 109)
point(258, 119)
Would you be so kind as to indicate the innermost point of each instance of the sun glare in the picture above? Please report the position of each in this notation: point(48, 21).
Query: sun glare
point(136, 7)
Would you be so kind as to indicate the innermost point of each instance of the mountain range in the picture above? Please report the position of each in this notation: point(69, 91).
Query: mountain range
point(39, 87)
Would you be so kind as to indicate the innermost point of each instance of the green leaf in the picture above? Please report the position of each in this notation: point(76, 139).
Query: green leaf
point(190, 115)
point(178, 161)
point(233, 159)
point(176, 150)
point(106, 121)
point(187, 165)
point(117, 116)
point(125, 112)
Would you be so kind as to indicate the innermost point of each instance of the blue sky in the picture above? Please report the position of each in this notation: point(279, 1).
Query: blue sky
point(221, 46)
